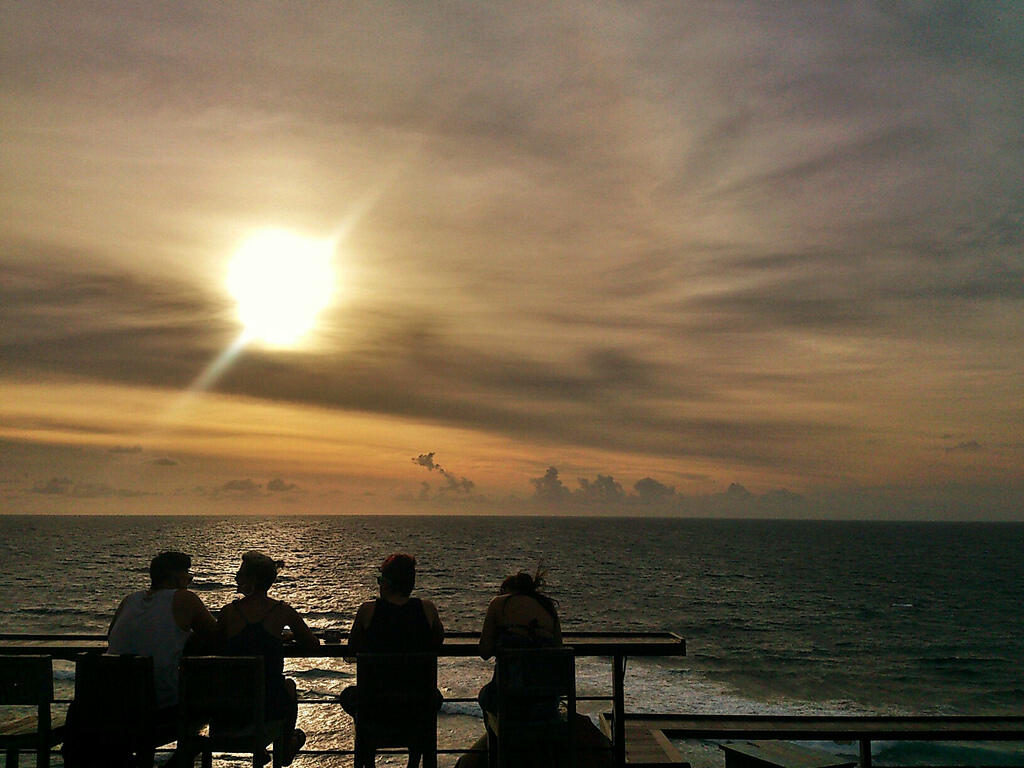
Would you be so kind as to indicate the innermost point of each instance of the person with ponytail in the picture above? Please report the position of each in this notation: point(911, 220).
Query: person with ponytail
point(520, 616)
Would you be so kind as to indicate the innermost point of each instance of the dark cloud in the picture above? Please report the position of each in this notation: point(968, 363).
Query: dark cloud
point(55, 485)
point(967, 446)
point(279, 485)
point(426, 460)
point(103, 491)
point(649, 490)
point(452, 483)
point(163, 461)
point(63, 486)
point(240, 486)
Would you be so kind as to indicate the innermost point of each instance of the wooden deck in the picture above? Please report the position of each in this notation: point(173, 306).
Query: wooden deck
point(862, 729)
point(646, 747)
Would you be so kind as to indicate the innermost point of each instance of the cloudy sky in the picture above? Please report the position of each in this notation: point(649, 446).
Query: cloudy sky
point(776, 246)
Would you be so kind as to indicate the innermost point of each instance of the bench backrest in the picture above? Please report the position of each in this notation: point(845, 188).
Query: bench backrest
point(114, 693)
point(26, 680)
point(536, 702)
point(397, 698)
point(227, 689)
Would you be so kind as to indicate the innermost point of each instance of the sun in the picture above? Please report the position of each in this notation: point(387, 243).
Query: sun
point(282, 282)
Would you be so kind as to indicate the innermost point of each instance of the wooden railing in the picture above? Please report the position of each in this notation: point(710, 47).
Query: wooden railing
point(616, 646)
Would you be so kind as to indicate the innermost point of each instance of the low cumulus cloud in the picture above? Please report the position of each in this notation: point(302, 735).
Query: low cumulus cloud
point(54, 486)
point(240, 486)
point(63, 486)
point(164, 461)
point(277, 485)
point(604, 494)
point(966, 446)
point(103, 491)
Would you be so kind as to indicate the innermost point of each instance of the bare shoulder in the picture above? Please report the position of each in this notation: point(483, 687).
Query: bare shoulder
point(497, 601)
point(365, 612)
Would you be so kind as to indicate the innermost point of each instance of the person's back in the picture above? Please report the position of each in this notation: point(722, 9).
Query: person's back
point(396, 628)
point(521, 616)
point(145, 626)
point(254, 639)
point(393, 623)
point(158, 622)
point(257, 625)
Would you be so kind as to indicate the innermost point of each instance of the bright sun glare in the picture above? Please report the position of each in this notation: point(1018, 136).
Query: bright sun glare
point(281, 281)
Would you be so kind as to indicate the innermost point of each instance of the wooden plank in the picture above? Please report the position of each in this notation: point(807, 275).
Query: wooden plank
point(994, 728)
point(647, 747)
point(779, 754)
point(644, 746)
point(18, 726)
point(667, 747)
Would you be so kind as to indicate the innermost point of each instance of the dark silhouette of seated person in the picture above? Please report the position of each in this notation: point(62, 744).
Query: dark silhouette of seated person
point(258, 625)
point(158, 622)
point(394, 622)
point(520, 617)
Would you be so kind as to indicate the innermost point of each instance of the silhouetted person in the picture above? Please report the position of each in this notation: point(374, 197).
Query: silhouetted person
point(257, 625)
point(157, 622)
point(521, 616)
point(394, 623)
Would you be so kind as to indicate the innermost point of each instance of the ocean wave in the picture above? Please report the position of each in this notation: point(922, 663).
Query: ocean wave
point(210, 586)
point(318, 673)
point(467, 708)
point(48, 610)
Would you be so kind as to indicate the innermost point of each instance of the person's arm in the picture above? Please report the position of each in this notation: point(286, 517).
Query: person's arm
point(304, 637)
point(557, 632)
point(489, 633)
point(357, 635)
point(434, 620)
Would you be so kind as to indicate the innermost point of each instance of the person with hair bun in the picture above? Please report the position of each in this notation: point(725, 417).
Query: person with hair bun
point(257, 625)
point(521, 616)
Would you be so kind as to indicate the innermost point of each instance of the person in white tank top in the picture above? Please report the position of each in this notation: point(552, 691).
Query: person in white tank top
point(158, 621)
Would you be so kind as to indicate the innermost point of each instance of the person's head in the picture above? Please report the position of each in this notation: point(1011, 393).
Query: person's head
point(398, 574)
point(257, 572)
point(522, 583)
point(170, 570)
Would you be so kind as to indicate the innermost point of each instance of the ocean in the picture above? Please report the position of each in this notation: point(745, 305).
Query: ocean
point(783, 617)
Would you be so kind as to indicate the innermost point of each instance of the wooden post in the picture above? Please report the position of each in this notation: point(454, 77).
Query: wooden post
point(619, 709)
point(865, 753)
